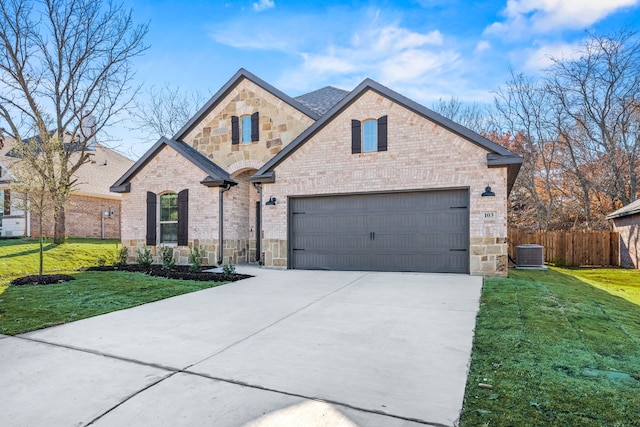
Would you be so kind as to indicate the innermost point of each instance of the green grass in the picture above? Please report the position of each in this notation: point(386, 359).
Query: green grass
point(556, 351)
point(20, 258)
point(26, 308)
point(624, 283)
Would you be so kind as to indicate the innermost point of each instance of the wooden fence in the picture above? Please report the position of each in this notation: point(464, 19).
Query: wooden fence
point(571, 247)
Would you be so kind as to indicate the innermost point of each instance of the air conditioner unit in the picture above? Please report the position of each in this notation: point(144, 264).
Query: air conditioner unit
point(530, 256)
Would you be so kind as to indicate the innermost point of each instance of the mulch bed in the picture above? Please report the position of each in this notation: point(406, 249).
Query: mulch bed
point(45, 279)
point(176, 272)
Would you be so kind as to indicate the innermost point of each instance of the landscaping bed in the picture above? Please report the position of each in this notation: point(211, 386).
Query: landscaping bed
point(182, 272)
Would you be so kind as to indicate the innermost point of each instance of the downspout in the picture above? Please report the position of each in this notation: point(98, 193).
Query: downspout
point(224, 188)
point(258, 186)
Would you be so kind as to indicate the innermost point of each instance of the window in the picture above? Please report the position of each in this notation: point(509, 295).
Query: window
point(6, 204)
point(169, 218)
point(246, 129)
point(174, 218)
point(249, 125)
point(369, 136)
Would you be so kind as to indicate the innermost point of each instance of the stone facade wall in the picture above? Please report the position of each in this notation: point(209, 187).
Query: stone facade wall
point(421, 155)
point(169, 171)
point(83, 218)
point(629, 229)
point(279, 124)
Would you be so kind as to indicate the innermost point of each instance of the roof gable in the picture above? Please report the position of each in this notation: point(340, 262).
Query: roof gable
point(216, 176)
point(497, 155)
point(227, 88)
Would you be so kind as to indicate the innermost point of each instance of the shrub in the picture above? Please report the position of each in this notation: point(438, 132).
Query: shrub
point(101, 261)
point(166, 256)
point(143, 257)
point(229, 269)
point(195, 258)
point(121, 256)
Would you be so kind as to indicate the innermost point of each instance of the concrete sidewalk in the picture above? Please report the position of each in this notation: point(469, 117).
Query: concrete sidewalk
point(283, 348)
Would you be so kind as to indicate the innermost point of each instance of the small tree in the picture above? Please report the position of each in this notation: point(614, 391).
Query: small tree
point(36, 199)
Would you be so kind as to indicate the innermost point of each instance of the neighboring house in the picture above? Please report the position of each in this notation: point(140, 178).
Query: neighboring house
point(85, 207)
point(626, 221)
point(360, 180)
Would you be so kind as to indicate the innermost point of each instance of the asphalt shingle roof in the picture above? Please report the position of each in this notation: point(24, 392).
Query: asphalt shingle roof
point(631, 209)
point(322, 100)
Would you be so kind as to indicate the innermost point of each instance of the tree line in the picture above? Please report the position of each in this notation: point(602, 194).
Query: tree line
point(577, 126)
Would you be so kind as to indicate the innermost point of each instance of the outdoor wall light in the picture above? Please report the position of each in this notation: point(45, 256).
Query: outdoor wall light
point(271, 201)
point(488, 192)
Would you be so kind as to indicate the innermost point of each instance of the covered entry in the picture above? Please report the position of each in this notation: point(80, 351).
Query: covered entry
point(425, 231)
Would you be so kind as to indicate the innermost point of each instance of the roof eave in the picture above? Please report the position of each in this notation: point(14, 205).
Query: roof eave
point(216, 182)
point(269, 177)
point(124, 188)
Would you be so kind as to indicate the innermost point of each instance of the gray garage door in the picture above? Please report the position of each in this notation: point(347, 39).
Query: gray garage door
point(422, 231)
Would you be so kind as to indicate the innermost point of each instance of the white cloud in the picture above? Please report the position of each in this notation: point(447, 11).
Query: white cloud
point(390, 54)
point(261, 5)
point(536, 60)
point(540, 16)
point(482, 46)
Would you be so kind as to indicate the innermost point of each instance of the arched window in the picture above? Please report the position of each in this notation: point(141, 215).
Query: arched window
point(169, 218)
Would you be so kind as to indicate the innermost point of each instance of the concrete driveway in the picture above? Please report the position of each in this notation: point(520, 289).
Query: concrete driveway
point(285, 348)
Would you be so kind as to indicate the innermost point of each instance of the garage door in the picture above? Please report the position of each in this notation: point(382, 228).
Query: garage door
point(419, 231)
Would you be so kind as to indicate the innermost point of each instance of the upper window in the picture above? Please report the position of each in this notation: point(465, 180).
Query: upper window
point(169, 218)
point(246, 129)
point(369, 136)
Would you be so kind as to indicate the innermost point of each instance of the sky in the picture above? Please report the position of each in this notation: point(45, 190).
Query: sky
point(424, 49)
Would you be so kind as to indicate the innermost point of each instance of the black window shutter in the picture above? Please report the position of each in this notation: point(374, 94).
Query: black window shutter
point(235, 130)
point(356, 137)
point(382, 133)
point(151, 219)
point(183, 218)
point(255, 129)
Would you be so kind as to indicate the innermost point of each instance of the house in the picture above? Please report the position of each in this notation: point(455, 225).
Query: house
point(85, 210)
point(626, 221)
point(359, 180)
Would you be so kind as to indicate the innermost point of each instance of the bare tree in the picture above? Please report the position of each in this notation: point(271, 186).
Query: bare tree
point(600, 90)
point(524, 111)
point(66, 72)
point(166, 111)
point(473, 116)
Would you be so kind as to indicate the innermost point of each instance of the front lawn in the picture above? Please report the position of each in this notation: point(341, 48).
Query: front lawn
point(552, 350)
point(26, 308)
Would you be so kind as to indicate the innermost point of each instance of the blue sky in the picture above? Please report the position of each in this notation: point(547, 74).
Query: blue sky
point(424, 49)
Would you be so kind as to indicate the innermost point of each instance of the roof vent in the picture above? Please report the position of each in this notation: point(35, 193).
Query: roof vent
point(530, 256)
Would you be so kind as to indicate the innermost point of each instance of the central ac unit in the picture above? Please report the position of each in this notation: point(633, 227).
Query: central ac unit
point(530, 256)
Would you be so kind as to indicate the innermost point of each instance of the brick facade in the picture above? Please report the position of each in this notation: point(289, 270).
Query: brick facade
point(421, 155)
point(83, 218)
point(629, 229)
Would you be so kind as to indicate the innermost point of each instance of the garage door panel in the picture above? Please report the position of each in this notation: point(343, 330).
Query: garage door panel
point(421, 231)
